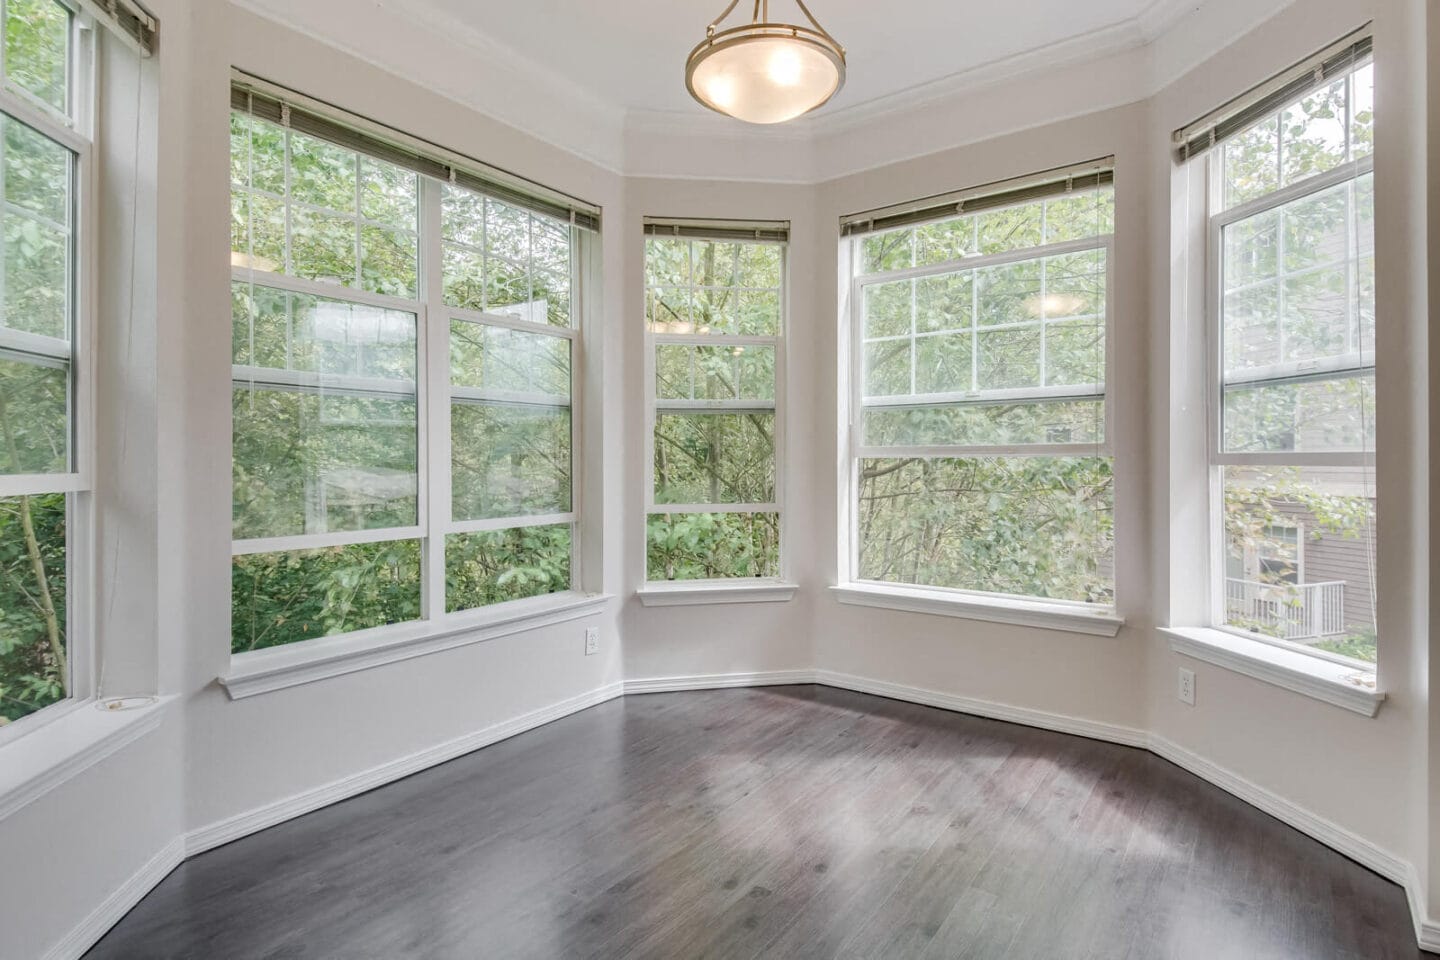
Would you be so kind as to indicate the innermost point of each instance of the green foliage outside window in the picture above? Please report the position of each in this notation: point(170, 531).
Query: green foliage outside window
point(34, 668)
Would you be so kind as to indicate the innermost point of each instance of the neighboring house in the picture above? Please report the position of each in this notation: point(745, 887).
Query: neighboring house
point(1302, 578)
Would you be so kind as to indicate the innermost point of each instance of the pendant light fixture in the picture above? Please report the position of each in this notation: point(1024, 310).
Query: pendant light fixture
point(763, 72)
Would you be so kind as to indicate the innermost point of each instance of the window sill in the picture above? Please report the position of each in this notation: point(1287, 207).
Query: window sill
point(1026, 613)
point(264, 671)
point(683, 593)
point(1333, 683)
point(44, 758)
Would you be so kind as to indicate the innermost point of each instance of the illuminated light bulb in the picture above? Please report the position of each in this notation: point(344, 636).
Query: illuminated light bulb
point(784, 68)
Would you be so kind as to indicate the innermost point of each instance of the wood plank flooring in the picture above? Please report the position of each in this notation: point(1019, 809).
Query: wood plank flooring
point(790, 822)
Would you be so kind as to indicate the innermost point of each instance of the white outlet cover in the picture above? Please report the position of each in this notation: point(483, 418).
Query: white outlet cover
point(1186, 692)
point(592, 640)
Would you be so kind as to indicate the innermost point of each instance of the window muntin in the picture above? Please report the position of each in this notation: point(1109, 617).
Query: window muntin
point(338, 526)
point(1292, 228)
point(979, 371)
point(714, 319)
point(44, 381)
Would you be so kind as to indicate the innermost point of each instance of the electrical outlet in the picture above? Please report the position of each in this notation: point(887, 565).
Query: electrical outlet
point(1187, 686)
point(592, 641)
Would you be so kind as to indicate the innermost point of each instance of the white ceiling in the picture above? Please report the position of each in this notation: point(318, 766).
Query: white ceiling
point(631, 53)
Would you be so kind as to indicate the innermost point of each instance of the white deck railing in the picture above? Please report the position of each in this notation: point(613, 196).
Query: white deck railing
point(1304, 611)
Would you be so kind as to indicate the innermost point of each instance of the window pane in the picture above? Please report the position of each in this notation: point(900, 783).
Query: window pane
point(1252, 163)
point(1310, 416)
point(1054, 421)
point(685, 372)
point(34, 651)
point(880, 252)
point(703, 546)
point(505, 260)
point(1300, 556)
point(280, 598)
point(509, 459)
point(37, 47)
point(1313, 135)
point(335, 215)
point(325, 428)
point(1011, 228)
point(1297, 281)
point(1028, 526)
point(34, 415)
point(497, 359)
point(321, 461)
point(499, 565)
point(1362, 111)
point(714, 458)
point(712, 287)
point(37, 284)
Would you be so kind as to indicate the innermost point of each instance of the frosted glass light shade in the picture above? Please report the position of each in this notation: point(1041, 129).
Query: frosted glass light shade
point(765, 74)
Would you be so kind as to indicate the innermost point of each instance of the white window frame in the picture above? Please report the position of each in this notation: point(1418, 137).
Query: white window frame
point(76, 132)
point(778, 587)
point(1073, 615)
point(284, 665)
point(1217, 219)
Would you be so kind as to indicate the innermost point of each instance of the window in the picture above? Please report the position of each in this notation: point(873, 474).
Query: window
point(714, 311)
point(978, 447)
point(45, 468)
point(1292, 226)
point(402, 349)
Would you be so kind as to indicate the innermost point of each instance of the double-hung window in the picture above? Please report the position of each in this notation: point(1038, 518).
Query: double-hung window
point(1292, 334)
point(403, 338)
point(46, 466)
point(715, 306)
point(979, 459)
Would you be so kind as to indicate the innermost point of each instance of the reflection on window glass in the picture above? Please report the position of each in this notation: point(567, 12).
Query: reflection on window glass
point(707, 546)
point(1300, 556)
point(325, 415)
point(280, 598)
point(494, 566)
point(509, 459)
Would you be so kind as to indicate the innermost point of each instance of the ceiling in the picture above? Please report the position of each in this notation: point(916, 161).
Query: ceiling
point(631, 53)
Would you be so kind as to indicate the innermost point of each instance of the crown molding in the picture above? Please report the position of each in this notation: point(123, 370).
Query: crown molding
point(1136, 58)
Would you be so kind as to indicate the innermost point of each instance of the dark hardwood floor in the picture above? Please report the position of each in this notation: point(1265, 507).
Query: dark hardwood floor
point(779, 822)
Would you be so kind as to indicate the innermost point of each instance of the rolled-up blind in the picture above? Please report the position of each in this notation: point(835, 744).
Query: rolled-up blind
point(1005, 193)
point(773, 231)
point(132, 22)
point(1259, 102)
point(297, 112)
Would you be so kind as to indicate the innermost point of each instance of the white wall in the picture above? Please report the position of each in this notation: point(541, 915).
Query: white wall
point(217, 759)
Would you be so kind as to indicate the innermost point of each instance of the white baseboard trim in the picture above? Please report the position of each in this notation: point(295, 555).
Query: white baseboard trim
point(1334, 836)
point(1427, 928)
point(1059, 722)
point(108, 913)
point(233, 828)
point(719, 681)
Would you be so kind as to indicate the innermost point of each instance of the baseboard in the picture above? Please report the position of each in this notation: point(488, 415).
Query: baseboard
point(719, 681)
point(241, 825)
point(1334, 836)
point(1059, 722)
point(108, 913)
point(1427, 928)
